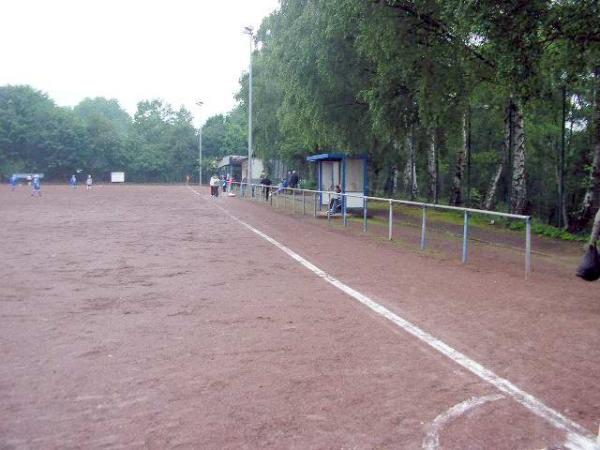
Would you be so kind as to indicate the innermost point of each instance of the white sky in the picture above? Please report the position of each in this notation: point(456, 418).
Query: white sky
point(180, 51)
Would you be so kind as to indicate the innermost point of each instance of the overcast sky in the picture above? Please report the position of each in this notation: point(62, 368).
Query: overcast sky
point(178, 50)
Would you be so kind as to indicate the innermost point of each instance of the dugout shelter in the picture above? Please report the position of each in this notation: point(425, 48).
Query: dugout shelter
point(350, 172)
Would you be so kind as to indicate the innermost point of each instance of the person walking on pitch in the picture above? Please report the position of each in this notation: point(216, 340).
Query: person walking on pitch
point(36, 186)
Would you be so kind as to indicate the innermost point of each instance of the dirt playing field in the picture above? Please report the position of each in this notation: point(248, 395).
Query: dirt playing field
point(153, 317)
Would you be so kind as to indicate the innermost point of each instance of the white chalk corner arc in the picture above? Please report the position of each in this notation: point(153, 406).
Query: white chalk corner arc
point(432, 438)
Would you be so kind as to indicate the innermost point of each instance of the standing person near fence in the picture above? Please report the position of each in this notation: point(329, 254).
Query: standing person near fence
point(294, 179)
point(266, 182)
point(224, 183)
point(279, 187)
point(73, 181)
point(88, 182)
point(243, 186)
point(214, 186)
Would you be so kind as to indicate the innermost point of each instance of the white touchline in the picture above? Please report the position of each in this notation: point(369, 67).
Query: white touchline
point(586, 440)
point(432, 439)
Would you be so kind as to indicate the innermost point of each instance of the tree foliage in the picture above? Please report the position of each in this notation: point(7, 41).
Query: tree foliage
point(97, 136)
point(472, 91)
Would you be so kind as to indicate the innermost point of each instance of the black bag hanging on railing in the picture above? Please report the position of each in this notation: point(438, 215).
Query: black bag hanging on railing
point(589, 268)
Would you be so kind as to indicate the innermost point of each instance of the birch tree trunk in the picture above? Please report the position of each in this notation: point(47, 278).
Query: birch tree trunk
point(492, 194)
point(591, 196)
point(406, 177)
point(395, 171)
point(395, 180)
point(432, 166)
point(459, 170)
point(518, 197)
point(596, 229)
point(410, 170)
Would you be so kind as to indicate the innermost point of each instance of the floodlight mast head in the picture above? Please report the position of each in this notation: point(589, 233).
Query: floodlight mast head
point(249, 30)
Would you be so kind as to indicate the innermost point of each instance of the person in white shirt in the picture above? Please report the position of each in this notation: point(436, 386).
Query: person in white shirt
point(214, 186)
point(88, 183)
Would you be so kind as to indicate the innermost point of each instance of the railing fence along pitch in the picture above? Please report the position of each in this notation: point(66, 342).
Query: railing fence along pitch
point(242, 189)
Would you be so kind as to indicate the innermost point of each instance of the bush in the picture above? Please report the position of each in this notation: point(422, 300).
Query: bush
point(546, 230)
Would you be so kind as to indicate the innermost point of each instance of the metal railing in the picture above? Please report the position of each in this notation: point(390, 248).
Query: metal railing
point(259, 192)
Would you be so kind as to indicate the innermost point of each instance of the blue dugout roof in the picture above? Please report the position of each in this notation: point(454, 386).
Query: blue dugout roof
point(327, 157)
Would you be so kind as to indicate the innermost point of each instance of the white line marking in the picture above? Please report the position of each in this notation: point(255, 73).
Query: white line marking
point(585, 439)
point(432, 440)
point(576, 442)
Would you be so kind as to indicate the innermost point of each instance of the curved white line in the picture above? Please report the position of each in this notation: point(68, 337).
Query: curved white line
point(585, 439)
point(574, 442)
point(432, 440)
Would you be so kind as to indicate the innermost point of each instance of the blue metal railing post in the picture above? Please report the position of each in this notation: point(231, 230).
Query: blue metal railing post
point(365, 206)
point(303, 204)
point(465, 238)
point(527, 247)
point(390, 222)
point(345, 200)
point(423, 225)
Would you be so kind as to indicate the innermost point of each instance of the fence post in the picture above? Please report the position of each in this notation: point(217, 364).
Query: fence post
point(465, 237)
point(423, 243)
point(390, 224)
point(303, 203)
point(293, 200)
point(328, 209)
point(345, 200)
point(527, 247)
point(365, 225)
point(315, 204)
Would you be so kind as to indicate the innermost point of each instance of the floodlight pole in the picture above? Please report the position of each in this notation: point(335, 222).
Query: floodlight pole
point(199, 104)
point(250, 32)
